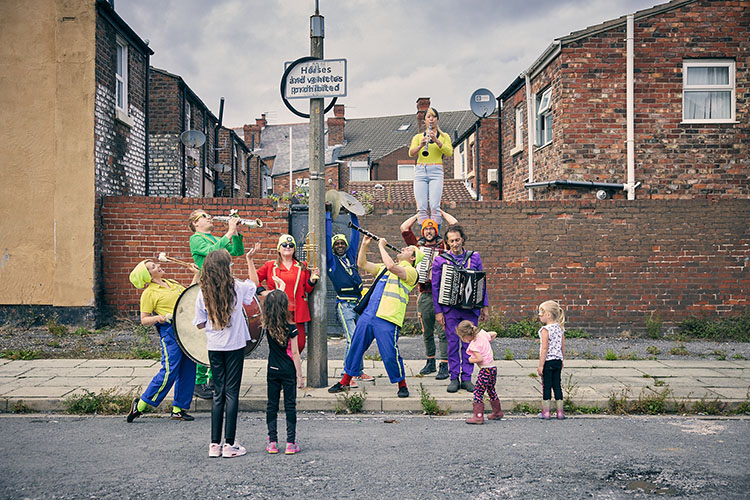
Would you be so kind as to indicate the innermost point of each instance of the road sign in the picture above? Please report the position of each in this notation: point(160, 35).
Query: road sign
point(316, 79)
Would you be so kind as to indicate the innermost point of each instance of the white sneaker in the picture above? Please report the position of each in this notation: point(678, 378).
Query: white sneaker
point(214, 450)
point(234, 450)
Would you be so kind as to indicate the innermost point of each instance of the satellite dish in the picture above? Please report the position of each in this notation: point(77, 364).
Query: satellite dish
point(193, 138)
point(482, 103)
point(220, 167)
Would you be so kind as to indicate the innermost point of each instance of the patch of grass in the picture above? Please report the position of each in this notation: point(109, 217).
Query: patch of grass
point(720, 355)
point(145, 353)
point(533, 352)
point(429, 403)
point(744, 407)
point(21, 407)
point(525, 408)
point(410, 329)
point(508, 355)
point(53, 343)
point(632, 356)
point(679, 350)
point(107, 402)
point(533, 375)
point(350, 403)
point(654, 326)
point(739, 355)
point(588, 355)
point(659, 383)
point(21, 354)
point(373, 357)
point(576, 333)
point(81, 332)
point(525, 328)
point(618, 403)
point(736, 328)
point(56, 328)
point(709, 407)
point(610, 355)
point(651, 402)
point(653, 350)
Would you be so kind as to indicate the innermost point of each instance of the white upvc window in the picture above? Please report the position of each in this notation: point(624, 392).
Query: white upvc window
point(708, 91)
point(359, 171)
point(518, 135)
point(544, 117)
point(121, 76)
point(406, 172)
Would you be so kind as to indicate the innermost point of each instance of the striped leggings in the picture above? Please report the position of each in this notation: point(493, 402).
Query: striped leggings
point(486, 381)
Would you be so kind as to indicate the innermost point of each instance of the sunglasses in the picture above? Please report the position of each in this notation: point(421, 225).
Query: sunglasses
point(202, 216)
point(287, 245)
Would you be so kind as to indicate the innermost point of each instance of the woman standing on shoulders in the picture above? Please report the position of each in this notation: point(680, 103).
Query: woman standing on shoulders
point(430, 147)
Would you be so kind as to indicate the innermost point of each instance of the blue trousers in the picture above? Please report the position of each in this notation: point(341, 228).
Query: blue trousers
point(385, 333)
point(348, 319)
point(176, 369)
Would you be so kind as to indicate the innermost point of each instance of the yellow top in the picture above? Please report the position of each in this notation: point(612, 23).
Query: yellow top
point(435, 153)
point(157, 299)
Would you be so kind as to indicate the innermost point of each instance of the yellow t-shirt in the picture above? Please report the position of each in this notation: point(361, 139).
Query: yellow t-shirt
point(157, 299)
point(435, 153)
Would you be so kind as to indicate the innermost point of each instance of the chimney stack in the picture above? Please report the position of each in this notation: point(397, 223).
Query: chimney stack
point(423, 103)
point(336, 126)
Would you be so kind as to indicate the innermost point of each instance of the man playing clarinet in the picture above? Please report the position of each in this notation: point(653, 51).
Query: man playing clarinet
point(450, 316)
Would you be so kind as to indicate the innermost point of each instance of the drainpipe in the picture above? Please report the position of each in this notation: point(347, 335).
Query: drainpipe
point(148, 112)
point(530, 134)
point(290, 163)
point(476, 159)
point(499, 150)
point(203, 154)
point(182, 146)
point(630, 186)
point(216, 141)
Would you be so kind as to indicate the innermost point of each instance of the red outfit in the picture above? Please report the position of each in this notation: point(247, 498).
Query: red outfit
point(297, 280)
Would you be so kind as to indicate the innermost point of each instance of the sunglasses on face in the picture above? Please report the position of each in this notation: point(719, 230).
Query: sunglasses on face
point(287, 245)
point(201, 216)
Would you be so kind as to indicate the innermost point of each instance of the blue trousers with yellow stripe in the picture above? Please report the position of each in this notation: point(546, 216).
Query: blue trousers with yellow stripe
point(385, 333)
point(176, 369)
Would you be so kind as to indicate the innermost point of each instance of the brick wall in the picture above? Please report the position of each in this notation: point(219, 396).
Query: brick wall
point(673, 160)
point(609, 263)
point(120, 149)
point(228, 143)
point(131, 229)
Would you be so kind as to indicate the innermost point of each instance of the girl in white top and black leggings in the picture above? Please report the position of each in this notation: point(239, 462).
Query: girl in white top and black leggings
point(551, 354)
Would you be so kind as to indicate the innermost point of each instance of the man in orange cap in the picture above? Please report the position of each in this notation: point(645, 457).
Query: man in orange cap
point(430, 243)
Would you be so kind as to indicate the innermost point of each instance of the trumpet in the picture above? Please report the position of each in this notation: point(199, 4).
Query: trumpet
point(245, 222)
point(424, 151)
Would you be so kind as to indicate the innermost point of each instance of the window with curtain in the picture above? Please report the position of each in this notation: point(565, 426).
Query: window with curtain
point(359, 171)
point(708, 91)
point(406, 172)
point(121, 77)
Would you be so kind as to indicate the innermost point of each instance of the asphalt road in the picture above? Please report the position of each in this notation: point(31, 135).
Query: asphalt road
point(378, 457)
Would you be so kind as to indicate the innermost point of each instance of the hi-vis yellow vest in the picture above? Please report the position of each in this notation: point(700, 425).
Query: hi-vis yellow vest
point(395, 297)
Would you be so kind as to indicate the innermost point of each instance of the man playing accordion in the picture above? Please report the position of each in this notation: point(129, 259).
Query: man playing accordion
point(457, 278)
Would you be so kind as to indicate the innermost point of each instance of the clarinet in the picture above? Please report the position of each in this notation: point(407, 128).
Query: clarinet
point(376, 238)
point(424, 151)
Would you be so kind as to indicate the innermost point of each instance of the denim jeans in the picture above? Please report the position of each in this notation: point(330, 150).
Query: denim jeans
point(428, 189)
point(348, 319)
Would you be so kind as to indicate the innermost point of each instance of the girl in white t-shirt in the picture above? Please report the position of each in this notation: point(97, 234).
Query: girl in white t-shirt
point(480, 353)
point(218, 309)
point(551, 354)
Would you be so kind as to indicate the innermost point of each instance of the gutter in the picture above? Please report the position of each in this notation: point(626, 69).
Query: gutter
point(608, 187)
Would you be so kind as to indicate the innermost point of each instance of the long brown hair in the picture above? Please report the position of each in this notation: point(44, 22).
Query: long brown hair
point(217, 285)
point(275, 312)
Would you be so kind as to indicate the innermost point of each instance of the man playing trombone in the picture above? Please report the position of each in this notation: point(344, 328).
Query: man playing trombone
point(383, 314)
point(202, 242)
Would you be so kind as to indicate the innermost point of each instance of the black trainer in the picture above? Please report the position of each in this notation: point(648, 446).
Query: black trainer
point(429, 367)
point(182, 415)
point(337, 387)
point(403, 392)
point(453, 386)
point(467, 385)
point(134, 413)
point(203, 391)
point(442, 371)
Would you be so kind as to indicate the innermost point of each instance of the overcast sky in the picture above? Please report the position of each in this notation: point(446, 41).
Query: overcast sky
point(396, 50)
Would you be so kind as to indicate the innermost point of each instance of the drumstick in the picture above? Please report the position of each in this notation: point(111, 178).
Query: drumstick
point(163, 257)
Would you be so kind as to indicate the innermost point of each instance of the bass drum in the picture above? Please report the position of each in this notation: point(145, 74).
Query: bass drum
point(192, 340)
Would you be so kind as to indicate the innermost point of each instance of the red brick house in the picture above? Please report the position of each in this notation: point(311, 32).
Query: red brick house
point(690, 97)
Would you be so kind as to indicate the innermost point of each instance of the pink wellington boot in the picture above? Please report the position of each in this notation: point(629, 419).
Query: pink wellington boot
point(497, 411)
point(478, 417)
point(545, 411)
point(560, 414)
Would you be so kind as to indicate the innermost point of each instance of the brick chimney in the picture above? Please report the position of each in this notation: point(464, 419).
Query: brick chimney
point(336, 126)
point(252, 132)
point(423, 103)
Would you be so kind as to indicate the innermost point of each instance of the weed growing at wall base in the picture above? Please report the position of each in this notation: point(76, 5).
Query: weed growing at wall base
point(107, 402)
point(429, 403)
point(350, 403)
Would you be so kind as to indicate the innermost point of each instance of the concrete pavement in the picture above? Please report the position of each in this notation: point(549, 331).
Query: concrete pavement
point(44, 384)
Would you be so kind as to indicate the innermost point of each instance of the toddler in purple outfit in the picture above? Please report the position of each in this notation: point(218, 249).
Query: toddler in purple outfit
point(480, 353)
